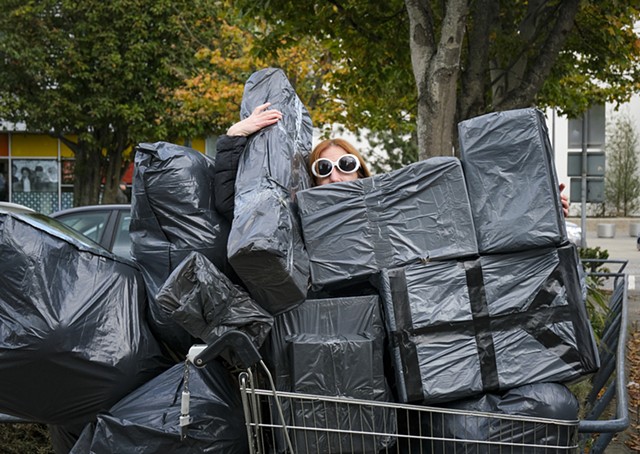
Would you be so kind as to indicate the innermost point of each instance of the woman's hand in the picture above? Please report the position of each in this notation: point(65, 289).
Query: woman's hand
point(259, 118)
point(564, 200)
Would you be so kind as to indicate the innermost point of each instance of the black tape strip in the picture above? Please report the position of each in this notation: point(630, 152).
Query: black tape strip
point(404, 327)
point(482, 324)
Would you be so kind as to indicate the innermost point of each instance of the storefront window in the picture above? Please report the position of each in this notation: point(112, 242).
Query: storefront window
point(35, 184)
point(4, 180)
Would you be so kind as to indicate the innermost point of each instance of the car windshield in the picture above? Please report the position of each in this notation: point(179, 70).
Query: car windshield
point(91, 224)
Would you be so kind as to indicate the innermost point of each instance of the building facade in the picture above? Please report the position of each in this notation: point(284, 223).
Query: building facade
point(36, 170)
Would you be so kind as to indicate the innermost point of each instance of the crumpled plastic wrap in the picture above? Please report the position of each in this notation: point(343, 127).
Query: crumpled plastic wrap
point(357, 228)
point(202, 300)
point(74, 337)
point(173, 214)
point(147, 420)
point(461, 328)
point(333, 347)
point(265, 243)
point(511, 178)
point(551, 401)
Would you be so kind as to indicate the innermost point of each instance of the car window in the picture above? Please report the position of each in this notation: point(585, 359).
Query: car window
point(122, 241)
point(90, 224)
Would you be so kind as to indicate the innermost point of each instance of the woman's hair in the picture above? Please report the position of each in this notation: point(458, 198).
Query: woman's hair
point(363, 171)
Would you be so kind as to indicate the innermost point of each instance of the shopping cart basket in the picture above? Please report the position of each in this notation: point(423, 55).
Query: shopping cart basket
point(285, 422)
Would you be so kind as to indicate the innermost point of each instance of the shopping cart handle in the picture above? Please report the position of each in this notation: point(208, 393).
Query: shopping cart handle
point(238, 347)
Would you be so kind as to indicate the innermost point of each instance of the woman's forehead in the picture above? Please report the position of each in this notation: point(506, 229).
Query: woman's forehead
point(333, 152)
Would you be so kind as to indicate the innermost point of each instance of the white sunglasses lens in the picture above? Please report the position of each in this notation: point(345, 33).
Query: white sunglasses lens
point(323, 167)
point(348, 163)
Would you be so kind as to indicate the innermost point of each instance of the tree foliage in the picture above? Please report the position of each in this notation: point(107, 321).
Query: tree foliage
point(96, 75)
point(622, 185)
point(423, 65)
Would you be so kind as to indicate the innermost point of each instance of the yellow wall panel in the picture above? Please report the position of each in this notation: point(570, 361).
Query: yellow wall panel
point(198, 144)
point(65, 151)
point(28, 145)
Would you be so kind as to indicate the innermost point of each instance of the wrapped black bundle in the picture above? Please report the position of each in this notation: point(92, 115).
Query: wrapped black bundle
point(462, 328)
point(207, 304)
point(74, 338)
point(173, 214)
point(555, 433)
point(511, 178)
point(265, 243)
point(147, 420)
point(333, 347)
point(357, 228)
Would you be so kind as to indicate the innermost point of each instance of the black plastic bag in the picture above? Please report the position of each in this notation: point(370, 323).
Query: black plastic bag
point(173, 214)
point(551, 401)
point(357, 228)
point(207, 304)
point(265, 243)
point(147, 420)
point(467, 327)
point(74, 338)
point(510, 172)
point(333, 347)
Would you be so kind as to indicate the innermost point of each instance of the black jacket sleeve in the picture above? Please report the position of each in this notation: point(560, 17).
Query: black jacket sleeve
point(228, 151)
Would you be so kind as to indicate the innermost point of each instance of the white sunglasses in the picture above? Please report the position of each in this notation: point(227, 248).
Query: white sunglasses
point(323, 167)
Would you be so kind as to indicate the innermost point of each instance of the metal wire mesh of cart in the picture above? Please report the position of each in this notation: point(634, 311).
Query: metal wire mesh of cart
point(285, 422)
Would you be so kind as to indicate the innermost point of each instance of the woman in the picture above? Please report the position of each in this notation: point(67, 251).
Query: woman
point(335, 160)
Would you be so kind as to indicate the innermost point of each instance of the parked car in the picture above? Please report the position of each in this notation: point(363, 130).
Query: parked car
point(107, 225)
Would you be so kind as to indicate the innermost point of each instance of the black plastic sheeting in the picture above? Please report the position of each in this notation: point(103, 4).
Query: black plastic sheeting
point(73, 338)
point(468, 327)
point(357, 228)
point(147, 420)
point(173, 214)
point(511, 178)
point(265, 244)
point(207, 304)
point(551, 401)
point(332, 347)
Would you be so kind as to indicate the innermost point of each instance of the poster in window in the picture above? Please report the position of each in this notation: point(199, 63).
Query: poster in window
point(68, 166)
point(34, 175)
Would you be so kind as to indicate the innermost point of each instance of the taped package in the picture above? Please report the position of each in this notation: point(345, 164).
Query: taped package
point(265, 244)
point(510, 173)
point(332, 347)
point(467, 327)
point(354, 229)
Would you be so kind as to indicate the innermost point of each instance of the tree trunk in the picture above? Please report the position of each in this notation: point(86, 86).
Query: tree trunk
point(436, 69)
point(88, 175)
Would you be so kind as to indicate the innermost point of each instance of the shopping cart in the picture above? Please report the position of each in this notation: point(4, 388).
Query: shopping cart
point(286, 422)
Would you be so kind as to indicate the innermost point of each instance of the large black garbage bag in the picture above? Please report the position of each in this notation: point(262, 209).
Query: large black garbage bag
point(265, 243)
point(552, 435)
point(513, 187)
point(173, 214)
point(73, 333)
point(207, 304)
point(147, 420)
